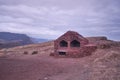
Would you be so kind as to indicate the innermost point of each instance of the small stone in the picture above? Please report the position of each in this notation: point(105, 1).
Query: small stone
point(45, 78)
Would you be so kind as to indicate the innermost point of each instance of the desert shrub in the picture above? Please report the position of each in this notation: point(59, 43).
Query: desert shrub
point(25, 52)
point(51, 54)
point(103, 46)
point(34, 52)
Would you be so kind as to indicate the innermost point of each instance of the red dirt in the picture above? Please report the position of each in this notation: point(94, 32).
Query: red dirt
point(103, 64)
point(43, 68)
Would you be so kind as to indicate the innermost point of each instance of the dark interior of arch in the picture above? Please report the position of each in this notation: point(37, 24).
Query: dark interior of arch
point(63, 44)
point(62, 53)
point(75, 43)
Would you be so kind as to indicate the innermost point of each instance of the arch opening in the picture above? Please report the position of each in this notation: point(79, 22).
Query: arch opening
point(63, 44)
point(75, 43)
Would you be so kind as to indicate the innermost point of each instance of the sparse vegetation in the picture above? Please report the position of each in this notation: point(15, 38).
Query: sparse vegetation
point(105, 66)
point(34, 52)
point(25, 52)
point(51, 54)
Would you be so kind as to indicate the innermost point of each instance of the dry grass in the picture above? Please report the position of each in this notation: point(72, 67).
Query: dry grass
point(41, 48)
point(106, 66)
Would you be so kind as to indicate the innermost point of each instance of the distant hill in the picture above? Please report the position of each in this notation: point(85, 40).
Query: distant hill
point(39, 40)
point(8, 39)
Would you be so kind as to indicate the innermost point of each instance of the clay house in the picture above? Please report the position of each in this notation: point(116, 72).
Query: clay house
point(72, 44)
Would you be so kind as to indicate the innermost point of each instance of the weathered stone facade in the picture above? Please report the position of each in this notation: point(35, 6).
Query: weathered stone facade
point(72, 44)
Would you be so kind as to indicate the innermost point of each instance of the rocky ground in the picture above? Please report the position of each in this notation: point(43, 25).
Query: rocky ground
point(32, 62)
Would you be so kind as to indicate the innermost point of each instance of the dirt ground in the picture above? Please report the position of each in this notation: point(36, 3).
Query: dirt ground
point(43, 68)
point(103, 64)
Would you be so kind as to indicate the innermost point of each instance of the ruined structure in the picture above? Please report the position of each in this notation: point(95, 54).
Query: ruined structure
point(72, 44)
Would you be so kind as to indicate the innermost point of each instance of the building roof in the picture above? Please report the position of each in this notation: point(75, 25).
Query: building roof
point(71, 34)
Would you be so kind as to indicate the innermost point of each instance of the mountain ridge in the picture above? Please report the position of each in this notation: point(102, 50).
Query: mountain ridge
point(8, 39)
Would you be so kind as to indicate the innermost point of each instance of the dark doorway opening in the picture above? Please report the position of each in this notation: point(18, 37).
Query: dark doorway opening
point(62, 53)
point(63, 44)
point(75, 43)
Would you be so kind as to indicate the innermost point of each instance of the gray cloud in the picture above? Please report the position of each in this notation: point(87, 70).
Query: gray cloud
point(50, 18)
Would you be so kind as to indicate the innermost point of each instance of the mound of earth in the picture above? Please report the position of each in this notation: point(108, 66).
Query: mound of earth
point(103, 42)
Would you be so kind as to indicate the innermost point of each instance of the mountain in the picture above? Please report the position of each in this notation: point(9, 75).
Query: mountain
point(39, 40)
point(8, 39)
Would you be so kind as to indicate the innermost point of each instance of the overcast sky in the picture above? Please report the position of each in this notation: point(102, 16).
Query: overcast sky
point(51, 18)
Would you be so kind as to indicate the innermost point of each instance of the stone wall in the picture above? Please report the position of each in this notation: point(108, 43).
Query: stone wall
point(84, 49)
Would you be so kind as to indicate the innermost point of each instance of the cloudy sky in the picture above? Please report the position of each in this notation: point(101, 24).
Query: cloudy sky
point(51, 18)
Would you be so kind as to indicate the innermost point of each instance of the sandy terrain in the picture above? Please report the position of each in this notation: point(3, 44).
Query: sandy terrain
point(103, 64)
point(43, 68)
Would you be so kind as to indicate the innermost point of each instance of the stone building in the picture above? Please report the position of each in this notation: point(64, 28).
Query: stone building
point(72, 44)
